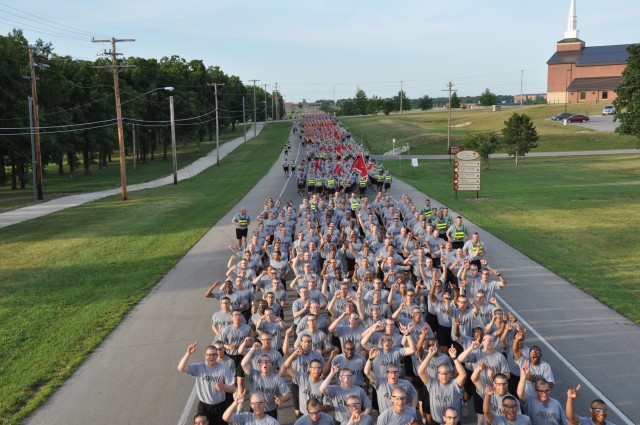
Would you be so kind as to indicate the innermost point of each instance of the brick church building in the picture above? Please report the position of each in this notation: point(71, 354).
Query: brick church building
point(580, 74)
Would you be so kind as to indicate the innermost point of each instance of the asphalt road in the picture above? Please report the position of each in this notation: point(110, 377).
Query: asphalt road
point(132, 376)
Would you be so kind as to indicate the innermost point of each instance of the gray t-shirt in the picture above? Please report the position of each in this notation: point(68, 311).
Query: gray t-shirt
point(379, 364)
point(306, 420)
point(319, 340)
point(355, 365)
point(389, 417)
point(442, 396)
point(308, 390)
point(520, 420)
point(384, 390)
point(206, 379)
point(347, 333)
point(234, 336)
point(247, 418)
point(550, 413)
point(269, 386)
point(222, 320)
point(364, 420)
point(338, 397)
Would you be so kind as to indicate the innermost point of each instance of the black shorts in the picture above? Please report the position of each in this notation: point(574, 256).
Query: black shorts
point(444, 336)
point(387, 185)
point(241, 233)
point(457, 244)
point(300, 185)
point(295, 392)
point(213, 412)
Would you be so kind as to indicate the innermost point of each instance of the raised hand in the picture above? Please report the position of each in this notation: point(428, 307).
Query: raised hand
point(192, 348)
point(573, 392)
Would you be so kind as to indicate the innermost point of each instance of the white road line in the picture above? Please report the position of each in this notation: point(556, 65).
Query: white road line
point(187, 408)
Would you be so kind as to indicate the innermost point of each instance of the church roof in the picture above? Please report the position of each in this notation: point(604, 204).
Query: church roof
point(595, 83)
point(596, 55)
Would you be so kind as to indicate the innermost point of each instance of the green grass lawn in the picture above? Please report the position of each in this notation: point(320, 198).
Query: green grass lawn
point(67, 279)
point(55, 185)
point(426, 132)
point(578, 216)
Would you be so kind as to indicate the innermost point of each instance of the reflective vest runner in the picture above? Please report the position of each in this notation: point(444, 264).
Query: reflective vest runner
point(363, 183)
point(355, 203)
point(243, 220)
point(459, 233)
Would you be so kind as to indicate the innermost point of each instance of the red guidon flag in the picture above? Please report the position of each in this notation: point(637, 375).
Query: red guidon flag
point(361, 166)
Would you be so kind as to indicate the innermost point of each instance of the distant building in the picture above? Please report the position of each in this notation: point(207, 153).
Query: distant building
point(526, 97)
point(580, 74)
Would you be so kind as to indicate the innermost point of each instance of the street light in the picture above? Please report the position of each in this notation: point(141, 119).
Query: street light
point(173, 136)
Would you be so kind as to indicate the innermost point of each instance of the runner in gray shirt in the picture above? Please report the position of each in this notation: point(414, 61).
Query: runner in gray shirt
point(315, 416)
point(349, 360)
point(213, 381)
point(265, 381)
point(338, 394)
point(509, 406)
point(399, 413)
point(354, 405)
point(385, 384)
point(258, 416)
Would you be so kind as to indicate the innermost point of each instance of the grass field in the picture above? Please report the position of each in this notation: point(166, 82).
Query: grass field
point(55, 185)
point(67, 279)
point(426, 132)
point(577, 216)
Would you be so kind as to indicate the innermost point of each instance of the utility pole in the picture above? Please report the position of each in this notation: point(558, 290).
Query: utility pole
point(521, 75)
point(215, 86)
point(277, 97)
point(244, 122)
point(173, 140)
point(401, 96)
point(116, 88)
point(36, 124)
point(255, 111)
point(33, 151)
point(449, 89)
point(265, 104)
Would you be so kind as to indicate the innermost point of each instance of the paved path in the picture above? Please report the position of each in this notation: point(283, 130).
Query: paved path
point(131, 377)
point(38, 210)
point(530, 154)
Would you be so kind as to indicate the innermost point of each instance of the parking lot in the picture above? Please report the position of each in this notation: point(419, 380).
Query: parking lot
point(598, 122)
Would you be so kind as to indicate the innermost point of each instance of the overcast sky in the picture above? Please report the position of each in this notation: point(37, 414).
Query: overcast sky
point(326, 49)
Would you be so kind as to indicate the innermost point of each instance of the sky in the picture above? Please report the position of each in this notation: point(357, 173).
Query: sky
point(328, 49)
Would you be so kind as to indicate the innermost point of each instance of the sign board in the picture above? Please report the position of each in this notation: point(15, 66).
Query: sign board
point(455, 149)
point(414, 162)
point(466, 171)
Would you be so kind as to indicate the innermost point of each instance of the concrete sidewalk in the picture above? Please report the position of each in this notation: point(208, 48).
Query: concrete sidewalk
point(504, 155)
point(38, 210)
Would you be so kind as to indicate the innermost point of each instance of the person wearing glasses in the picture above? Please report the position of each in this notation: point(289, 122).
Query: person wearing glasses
point(314, 415)
point(308, 382)
point(258, 415)
point(385, 384)
point(338, 394)
point(221, 319)
point(399, 413)
point(509, 409)
point(500, 390)
point(348, 359)
point(541, 408)
point(444, 391)
point(199, 419)
point(265, 381)
point(354, 404)
point(213, 381)
point(598, 410)
point(234, 335)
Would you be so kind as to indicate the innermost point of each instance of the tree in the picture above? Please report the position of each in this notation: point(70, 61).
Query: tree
point(520, 136)
point(387, 107)
point(484, 143)
point(628, 101)
point(425, 103)
point(406, 103)
point(487, 98)
point(361, 103)
point(455, 101)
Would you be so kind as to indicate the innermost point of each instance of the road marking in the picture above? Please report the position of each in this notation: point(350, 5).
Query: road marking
point(187, 408)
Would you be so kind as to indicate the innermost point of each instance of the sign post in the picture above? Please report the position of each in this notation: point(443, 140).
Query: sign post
point(466, 171)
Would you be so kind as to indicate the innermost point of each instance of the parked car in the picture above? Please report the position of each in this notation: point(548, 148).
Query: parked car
point(562, 116)
point(577, 118)
point(609, 110)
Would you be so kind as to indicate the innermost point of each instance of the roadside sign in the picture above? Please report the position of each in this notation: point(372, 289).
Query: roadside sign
point(414, 162)
point(455, 149)
point(466, 171)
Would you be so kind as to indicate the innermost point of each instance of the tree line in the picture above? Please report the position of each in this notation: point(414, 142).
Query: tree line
point(76, 106)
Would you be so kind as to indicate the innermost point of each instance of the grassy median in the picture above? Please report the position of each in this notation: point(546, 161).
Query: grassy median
point(67, 279)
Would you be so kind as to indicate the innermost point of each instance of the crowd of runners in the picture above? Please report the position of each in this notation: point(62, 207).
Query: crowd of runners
point(357, 307)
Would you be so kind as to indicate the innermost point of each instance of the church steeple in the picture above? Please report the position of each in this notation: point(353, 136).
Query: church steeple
point(572, 25)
